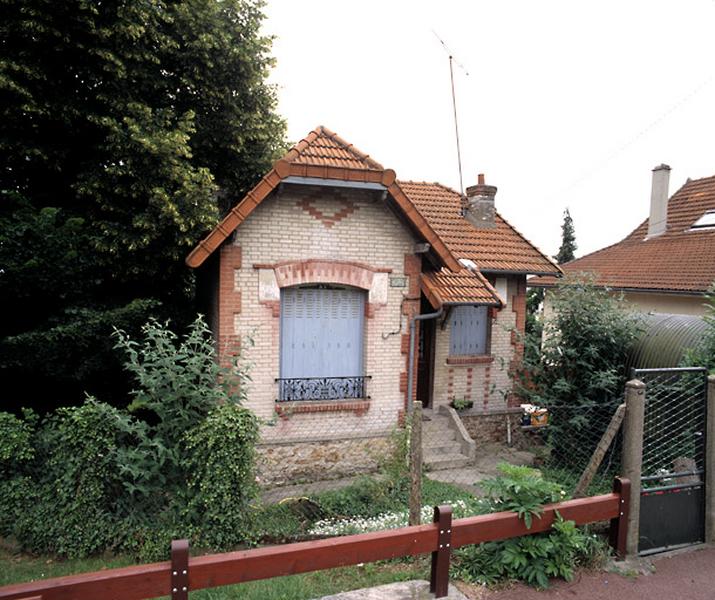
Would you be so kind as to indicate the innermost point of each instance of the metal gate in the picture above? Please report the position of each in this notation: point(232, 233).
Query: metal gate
point(672, 507)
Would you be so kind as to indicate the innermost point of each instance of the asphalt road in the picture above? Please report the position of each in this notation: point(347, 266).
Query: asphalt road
point(683, 576)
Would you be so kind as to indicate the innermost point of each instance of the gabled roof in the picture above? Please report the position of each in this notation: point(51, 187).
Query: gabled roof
point(444, 288)
point(680, 260)
point(323, 147)
point(323, 154)
point(501, 248)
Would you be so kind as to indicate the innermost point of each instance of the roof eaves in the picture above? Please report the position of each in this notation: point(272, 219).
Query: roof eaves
point(235, 217)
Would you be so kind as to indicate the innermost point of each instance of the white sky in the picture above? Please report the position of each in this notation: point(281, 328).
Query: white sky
point(560, 103)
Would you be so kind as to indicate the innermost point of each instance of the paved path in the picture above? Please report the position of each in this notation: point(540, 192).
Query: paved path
point(683, 576)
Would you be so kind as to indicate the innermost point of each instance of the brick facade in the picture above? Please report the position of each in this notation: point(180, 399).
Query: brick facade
point(483, 380)
point(303, 235)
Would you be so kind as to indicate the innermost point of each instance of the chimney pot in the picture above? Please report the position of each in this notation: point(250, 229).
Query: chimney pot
point(658, 218)
point(479, 204)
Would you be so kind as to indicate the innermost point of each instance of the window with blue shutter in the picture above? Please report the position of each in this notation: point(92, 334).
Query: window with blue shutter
point(321, 339)
point(469, 330)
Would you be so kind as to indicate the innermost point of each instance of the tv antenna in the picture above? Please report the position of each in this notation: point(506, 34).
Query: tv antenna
point(452, 62)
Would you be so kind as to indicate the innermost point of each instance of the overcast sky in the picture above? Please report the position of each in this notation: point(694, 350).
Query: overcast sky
point(560, 103)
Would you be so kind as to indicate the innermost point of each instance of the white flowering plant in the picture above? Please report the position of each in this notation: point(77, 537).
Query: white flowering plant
point(393, 520)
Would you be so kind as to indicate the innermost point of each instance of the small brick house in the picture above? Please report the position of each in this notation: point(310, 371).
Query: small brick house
point(324, 263)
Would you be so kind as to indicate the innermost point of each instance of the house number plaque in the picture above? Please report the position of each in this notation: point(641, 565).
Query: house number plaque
point(398, 282)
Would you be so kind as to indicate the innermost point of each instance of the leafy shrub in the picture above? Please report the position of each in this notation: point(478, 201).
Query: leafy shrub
point(178, 380)
point(95, 477)
point(15, 444)
point(584, 348)
point(72, 509)
point(704, 354)
point(522, 490)
point(221, 481)
point(534, 558)
point(581, 363)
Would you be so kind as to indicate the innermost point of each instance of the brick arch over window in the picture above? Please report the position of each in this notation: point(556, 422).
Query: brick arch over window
point(326, 271)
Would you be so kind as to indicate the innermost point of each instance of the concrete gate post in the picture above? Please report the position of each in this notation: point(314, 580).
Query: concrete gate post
point(633, 457)
point(710, 463)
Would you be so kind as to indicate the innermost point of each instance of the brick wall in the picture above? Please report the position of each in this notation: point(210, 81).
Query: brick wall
point(304, 234)
point(484, 380)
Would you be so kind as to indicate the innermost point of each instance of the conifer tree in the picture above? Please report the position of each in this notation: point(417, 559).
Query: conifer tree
point(567, 251)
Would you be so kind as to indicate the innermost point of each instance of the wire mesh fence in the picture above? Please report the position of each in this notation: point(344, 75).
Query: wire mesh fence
point(565, 447)
point(674, 426)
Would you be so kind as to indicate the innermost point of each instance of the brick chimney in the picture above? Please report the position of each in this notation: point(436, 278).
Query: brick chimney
point(658, 219)
point(479, 204)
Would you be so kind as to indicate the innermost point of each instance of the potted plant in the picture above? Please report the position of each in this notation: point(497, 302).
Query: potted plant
point(460, 404)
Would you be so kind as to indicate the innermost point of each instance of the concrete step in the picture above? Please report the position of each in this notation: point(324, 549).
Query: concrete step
point(442, 447)
point(437, 462)
point(436, 425)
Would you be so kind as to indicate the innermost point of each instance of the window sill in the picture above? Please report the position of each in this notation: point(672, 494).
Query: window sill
point(357, 406)
point(481, 359)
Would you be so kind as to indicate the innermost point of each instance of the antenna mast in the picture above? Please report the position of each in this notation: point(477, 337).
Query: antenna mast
point(454, 107)
point(456, 126)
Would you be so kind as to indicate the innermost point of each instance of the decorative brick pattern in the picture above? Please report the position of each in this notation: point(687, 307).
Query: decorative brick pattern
point(229, 305)
point(325, 271)
point(286, 409)
point(310, 206)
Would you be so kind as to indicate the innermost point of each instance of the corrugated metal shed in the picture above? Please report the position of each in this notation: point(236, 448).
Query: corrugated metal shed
point(664, 340)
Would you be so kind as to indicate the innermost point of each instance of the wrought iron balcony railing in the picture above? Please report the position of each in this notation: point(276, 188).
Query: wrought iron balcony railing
point(322, 388)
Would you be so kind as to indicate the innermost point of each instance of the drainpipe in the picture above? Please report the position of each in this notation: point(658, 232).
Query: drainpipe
point(411, 366)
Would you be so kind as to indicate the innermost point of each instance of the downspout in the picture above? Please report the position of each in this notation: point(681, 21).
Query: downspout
point(411, 366)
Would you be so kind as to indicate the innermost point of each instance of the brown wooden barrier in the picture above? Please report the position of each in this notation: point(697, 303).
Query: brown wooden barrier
point(180, 575)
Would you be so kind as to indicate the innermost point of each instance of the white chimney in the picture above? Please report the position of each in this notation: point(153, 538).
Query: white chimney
point(658, 219)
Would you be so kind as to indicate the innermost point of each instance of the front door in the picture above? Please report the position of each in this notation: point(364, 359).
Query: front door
point(425, 362)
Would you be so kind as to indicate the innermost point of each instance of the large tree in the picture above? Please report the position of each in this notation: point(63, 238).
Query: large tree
point(567, 250)
point(121, 125)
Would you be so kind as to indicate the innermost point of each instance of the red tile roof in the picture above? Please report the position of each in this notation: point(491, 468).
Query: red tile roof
point(466, 287)
point(324, 148)
point(679, 260)
point(502, 248)
point(323, 154)
point(431, 210)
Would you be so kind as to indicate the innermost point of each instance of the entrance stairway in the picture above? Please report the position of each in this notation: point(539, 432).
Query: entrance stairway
point(443, 445)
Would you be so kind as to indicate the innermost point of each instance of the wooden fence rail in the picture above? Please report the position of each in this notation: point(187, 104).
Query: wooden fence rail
point(181, 574)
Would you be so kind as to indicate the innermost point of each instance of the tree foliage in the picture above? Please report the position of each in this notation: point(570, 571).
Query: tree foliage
point(580, 366)
point(123, 127)
point(567, 250)
point(584, 347)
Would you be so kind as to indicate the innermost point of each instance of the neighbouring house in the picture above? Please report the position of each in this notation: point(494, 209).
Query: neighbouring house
point(667, 264)
point(325, 263)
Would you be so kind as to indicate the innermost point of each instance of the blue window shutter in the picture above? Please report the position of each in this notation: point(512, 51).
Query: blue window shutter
point(321, 332)
point(468, 330)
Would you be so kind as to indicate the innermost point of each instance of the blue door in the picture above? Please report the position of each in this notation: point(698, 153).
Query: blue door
point(321, 332)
